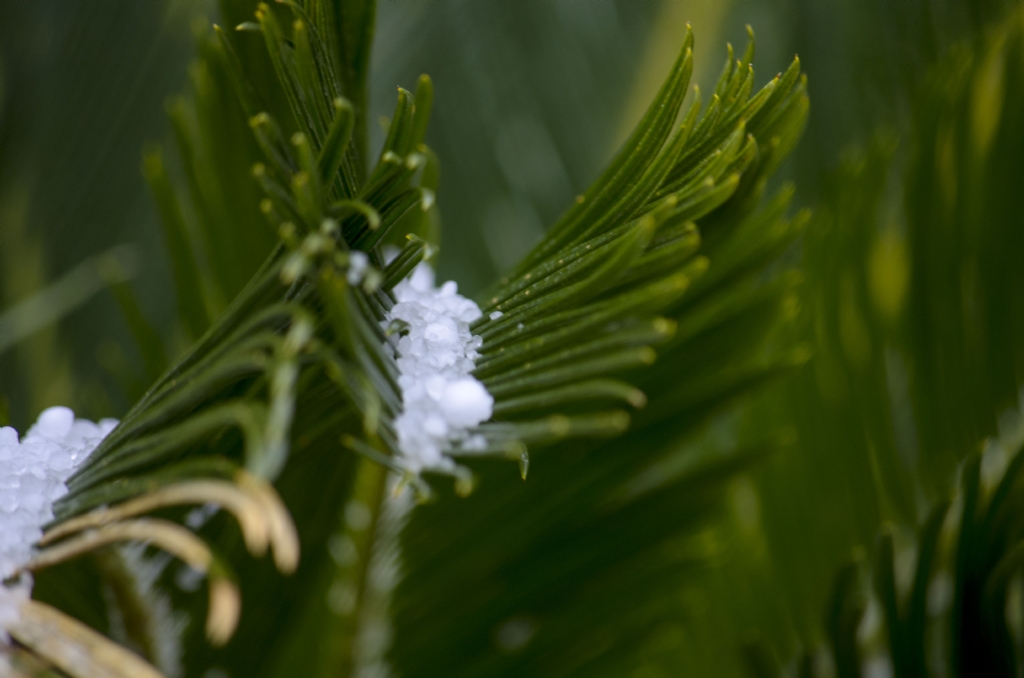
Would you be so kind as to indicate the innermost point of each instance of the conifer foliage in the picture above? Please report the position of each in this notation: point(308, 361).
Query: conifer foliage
point(258, 510)
point(290, 380)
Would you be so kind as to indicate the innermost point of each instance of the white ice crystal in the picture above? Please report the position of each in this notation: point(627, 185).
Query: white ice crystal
point(441, 399)
point(358, 262)
point(32, 476)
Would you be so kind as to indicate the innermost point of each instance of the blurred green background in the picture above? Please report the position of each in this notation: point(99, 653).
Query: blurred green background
point(532, 98)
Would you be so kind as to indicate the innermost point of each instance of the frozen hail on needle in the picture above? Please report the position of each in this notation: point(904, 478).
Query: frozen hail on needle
point(436, 352)
point(33, 472)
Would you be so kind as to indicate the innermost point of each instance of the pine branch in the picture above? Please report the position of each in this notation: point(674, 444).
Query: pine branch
point(291, 381)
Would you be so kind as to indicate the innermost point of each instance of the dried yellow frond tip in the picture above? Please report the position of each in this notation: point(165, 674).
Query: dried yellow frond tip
point(73, 647)
point(225, 607)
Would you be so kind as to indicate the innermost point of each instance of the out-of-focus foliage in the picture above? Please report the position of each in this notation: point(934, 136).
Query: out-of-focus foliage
point(957, 611)
point(82, 87)
point(911, 292)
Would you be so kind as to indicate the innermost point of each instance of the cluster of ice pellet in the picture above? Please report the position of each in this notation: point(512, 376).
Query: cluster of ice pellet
point(32, 476)
point(441, 400)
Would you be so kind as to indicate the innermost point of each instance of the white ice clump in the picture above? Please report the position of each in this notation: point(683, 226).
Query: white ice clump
point(441, 399)
point(358, 262)
point(32, 476)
